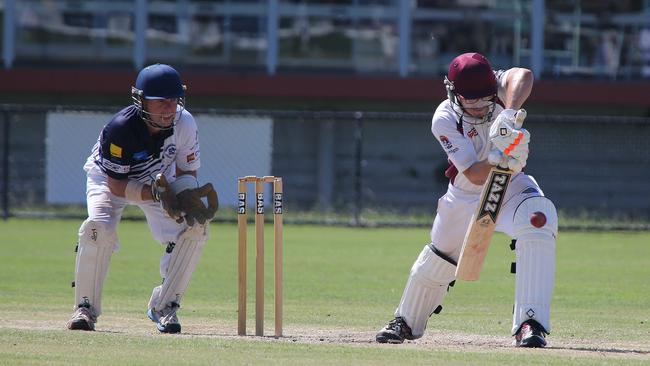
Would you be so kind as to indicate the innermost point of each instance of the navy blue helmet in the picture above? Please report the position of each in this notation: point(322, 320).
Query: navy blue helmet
point(158, 81)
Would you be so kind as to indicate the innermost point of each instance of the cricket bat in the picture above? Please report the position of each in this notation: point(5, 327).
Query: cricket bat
point(481, 227)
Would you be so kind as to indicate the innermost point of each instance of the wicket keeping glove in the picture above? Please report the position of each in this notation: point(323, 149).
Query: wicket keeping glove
point(189, 196)
point(190, 202)
point(162, 192)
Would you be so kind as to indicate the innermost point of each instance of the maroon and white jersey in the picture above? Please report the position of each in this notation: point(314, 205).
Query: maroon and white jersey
point(465, 139)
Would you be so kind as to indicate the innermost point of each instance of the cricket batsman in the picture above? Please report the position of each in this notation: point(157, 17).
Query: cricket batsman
point(146, 155)
point(478, 128)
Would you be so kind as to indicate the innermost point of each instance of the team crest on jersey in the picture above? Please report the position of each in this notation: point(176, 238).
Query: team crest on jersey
point(115, 150)
point(445, 142)
point(170, 151)
point(472, 133)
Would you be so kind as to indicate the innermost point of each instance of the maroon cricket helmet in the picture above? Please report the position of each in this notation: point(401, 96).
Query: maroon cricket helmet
point(472, 76)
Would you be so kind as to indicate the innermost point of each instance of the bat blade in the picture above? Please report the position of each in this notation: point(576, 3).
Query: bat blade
point(479, 233)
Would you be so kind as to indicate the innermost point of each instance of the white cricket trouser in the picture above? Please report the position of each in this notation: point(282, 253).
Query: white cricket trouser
point(426, 287)
point(104, 206)
point(456, 207)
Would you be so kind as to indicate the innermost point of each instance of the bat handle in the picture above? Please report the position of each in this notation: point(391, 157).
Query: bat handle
point(520, 116)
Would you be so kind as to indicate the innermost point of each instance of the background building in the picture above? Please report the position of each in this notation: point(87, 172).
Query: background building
point(260, 61)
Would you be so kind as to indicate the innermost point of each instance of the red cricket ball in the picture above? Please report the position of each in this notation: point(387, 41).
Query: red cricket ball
point(538, 219)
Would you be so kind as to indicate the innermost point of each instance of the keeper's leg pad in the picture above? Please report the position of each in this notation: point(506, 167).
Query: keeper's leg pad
point(535, 258)
point(96, 243)
point(182, 263)
point(425, 289)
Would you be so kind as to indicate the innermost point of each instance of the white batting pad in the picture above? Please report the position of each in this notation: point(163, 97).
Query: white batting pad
point(535, 271)
point(96, 244)
point(425, 290)
point(525, 210)
point(182, 263)
point(155, 296)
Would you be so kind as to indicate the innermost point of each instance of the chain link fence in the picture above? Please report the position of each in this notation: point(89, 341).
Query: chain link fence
point(352, 168)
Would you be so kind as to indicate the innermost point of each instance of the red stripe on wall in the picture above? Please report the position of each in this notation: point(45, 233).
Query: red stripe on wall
point(42, 80)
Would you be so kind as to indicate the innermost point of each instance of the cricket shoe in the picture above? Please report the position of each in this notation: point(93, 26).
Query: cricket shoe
point(531, 335)
point(166, 319)
point(83, 318)
point(396, 331)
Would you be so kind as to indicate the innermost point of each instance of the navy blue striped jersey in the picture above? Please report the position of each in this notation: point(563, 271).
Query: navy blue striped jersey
point(126, 150)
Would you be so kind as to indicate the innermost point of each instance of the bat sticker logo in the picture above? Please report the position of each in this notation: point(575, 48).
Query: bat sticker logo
point(260, 203)
point(241, 203)
point(277, 203)
point(493, 201)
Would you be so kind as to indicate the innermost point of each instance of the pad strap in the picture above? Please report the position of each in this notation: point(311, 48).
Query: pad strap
point(442, 255)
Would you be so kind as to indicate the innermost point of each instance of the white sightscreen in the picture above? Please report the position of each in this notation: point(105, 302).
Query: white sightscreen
point(230, 147)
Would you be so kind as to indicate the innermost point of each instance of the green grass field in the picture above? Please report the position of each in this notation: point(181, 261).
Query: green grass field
point(341, 285)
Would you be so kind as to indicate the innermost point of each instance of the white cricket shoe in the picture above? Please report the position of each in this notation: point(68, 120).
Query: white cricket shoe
point(395, 332)
point(166, 319)
point(531, 334)
point(83, 318)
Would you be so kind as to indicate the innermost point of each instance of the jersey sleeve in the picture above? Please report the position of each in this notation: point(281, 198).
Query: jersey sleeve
point(459, 149)
point(187, 140)
point(115, 151)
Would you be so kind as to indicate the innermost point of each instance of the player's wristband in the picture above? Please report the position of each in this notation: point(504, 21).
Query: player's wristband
point(155, 193)
point(133, 191)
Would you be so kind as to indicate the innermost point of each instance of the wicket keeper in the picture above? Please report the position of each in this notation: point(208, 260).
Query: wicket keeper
point(146, 155)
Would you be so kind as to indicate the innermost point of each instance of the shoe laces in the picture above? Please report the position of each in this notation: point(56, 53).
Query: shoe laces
point(528, 330)
point(168, 314)
point(399, 326)
point(84, 311)
point(525, 329)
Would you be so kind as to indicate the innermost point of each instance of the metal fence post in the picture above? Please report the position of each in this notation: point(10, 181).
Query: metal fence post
point(9, 29)
point(358, 173)
point(272, 37)
point(537, 20)
point(404, 20)
point(5, 164)
point(140, 34)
